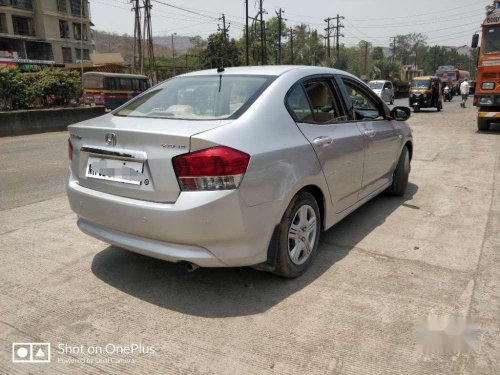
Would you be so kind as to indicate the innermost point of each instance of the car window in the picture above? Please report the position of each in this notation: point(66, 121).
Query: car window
point(298, 103)
point(364, 106)
point(325, 107)
point(210, 97)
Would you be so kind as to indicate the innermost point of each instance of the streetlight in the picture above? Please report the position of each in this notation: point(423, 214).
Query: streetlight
point(173, 53)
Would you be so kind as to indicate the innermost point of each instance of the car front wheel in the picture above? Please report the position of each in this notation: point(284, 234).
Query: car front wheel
point(299, 236)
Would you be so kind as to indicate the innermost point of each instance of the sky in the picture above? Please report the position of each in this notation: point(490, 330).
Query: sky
point(445, 22)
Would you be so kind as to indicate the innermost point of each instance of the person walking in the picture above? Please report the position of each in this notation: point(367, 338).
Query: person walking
point(464, 90)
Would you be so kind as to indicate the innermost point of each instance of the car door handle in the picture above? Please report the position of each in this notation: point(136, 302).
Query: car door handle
point(323, 141)
point(370, 133)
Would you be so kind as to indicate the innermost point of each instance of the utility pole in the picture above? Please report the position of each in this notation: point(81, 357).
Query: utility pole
point(280, 25)
point(138, 57)
point(366, 59)
point(328, 35)
point(247, 37)
point(148, 35)
point(338, 34)
point(292, 35)
point(173, 55)
point(224, 38)
point(262, 37)
point(393, 49)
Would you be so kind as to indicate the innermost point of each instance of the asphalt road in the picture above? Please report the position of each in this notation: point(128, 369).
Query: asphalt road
point(379, 272)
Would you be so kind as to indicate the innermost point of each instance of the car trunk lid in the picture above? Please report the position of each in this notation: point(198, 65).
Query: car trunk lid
point(132, 157)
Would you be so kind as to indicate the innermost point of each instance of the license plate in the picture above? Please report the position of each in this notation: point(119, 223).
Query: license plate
point(127, 172)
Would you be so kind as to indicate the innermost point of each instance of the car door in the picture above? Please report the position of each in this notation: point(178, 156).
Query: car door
point(338, 143)
point(385, 92)
point(383, 140)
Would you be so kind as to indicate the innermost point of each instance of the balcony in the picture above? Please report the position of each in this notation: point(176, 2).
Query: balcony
point(21, 4)
point(23, 26)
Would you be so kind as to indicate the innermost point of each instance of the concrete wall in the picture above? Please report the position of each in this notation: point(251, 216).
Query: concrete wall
point(44, 120)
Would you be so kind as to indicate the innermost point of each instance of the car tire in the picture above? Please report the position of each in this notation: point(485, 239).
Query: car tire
point(294, 256)
point(401, 174)
point(439, 107)
point(392, 101)
point(483, 125)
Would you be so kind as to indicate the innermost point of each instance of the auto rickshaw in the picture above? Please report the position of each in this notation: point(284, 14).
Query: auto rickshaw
point(425, 92)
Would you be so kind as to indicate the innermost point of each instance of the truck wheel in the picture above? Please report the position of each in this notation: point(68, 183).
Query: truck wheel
point(299, 236)
point(482, 124)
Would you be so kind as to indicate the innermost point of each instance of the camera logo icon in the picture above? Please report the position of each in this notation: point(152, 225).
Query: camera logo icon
point(31, 352)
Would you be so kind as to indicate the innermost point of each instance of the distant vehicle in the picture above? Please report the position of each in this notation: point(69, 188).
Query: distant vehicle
point(425, 92)
point(448, 95)
point(384, 89)
point(240, 167)
point(112, 89)
point(452, 76)
point(487, 87)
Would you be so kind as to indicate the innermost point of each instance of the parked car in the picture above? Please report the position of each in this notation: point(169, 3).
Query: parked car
point(242, 167)
point(384, 89)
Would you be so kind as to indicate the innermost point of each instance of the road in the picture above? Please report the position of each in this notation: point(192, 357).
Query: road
point(385, 267)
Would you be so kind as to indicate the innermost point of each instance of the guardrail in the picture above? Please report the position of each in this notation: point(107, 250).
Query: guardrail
point(44, 120)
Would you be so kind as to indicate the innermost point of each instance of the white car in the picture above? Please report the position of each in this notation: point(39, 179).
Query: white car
point(384, 89)
point(239, 167)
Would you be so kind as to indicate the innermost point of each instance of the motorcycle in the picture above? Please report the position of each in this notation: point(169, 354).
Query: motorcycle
point(448, 95)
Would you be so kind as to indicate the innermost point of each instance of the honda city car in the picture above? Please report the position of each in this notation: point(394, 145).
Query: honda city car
point(238, 166)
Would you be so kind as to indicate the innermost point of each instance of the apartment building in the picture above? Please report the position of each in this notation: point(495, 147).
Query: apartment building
point(44, 32)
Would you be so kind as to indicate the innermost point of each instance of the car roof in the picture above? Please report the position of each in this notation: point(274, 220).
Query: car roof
point(268, 70)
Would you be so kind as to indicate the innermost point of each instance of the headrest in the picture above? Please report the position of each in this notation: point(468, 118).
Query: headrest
point(318, 95)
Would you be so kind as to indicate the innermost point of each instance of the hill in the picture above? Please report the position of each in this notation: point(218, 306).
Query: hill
point(124, 44)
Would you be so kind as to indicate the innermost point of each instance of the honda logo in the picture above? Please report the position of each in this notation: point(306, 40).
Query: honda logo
point(110, 139)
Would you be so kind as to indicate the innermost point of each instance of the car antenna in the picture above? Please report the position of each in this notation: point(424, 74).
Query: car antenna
point(220, 69)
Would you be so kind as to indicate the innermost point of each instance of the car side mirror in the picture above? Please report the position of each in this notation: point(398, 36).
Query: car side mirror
point(401, 113)
point(475, 41)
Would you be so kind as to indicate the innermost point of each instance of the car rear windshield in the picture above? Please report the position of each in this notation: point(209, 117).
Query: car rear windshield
point(198, 97)
point(421, 84)
point(376, 85)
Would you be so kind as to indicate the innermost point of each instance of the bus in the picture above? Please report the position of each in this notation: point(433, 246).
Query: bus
point(112, 89)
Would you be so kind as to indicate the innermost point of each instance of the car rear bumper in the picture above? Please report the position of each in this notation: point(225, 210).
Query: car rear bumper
point(209, 229)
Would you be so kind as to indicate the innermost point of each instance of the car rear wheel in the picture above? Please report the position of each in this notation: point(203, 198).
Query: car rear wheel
point(401, 174)
point(299, 236)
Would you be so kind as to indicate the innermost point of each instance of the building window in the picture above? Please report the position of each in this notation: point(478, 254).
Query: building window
point(63, 29)
point(77, 31)
point(86, 54)
point(23, 26)
point(3, 23)
point(67, 56)
point(61, 6)
point(23, 4)
point(76, 8)
point(39, 51)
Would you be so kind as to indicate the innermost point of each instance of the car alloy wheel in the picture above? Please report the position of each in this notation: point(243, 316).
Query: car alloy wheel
point(302, 235)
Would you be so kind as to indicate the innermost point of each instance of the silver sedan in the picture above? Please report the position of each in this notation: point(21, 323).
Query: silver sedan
point(237, 167)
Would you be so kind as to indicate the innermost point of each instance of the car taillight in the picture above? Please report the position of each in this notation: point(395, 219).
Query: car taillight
point(218, 168)
point(70, 150)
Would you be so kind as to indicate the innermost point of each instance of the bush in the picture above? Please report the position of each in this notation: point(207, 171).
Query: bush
point(48, 87)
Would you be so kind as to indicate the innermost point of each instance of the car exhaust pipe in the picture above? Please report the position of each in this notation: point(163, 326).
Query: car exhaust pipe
point(191, 267)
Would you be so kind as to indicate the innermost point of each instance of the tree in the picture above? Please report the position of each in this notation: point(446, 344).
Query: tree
point(222, 51)
point(408, 47)
point(378, 54)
